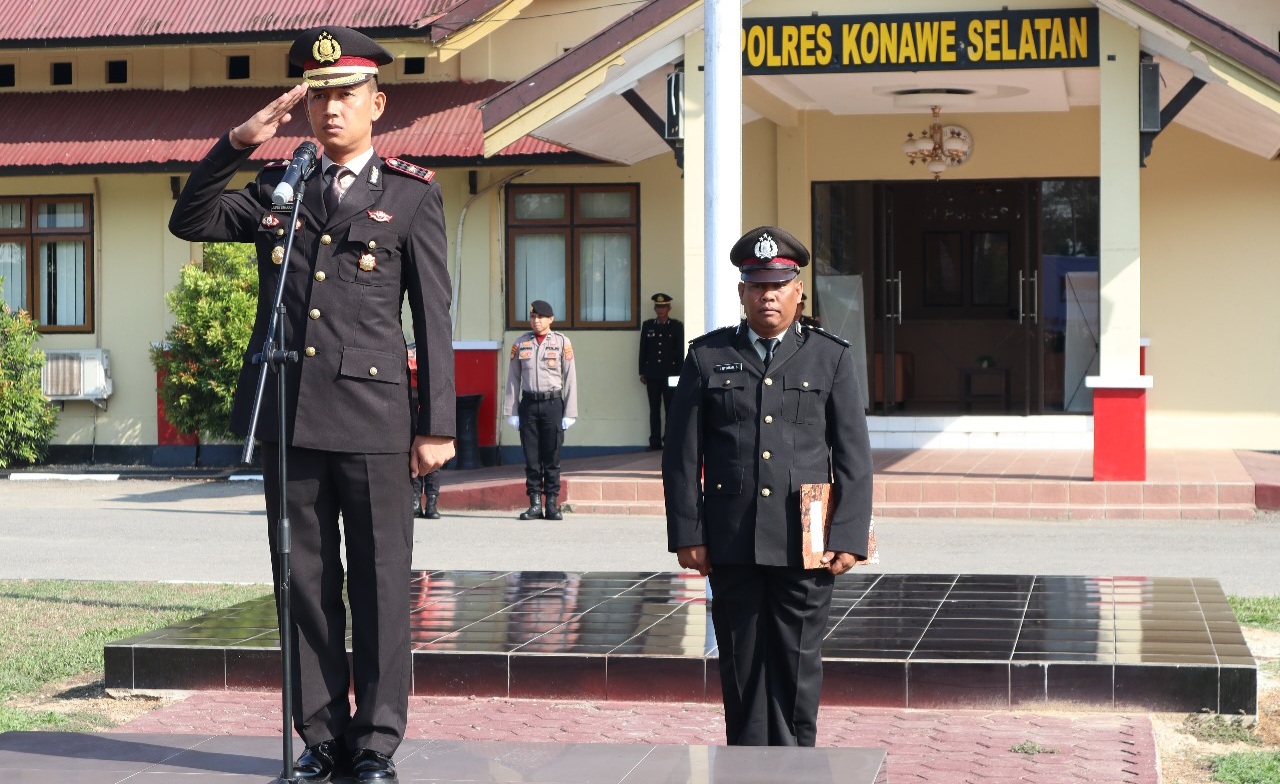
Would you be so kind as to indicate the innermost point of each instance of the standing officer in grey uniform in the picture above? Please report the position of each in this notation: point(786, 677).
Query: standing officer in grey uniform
point(369, 233)
point(661, 354)
point(541, 402)
point(760, 409)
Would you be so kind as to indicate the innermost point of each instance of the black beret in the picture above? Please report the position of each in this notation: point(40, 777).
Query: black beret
point(661, 299)
point(540, 307)
point(768, 254)
point(335, 56)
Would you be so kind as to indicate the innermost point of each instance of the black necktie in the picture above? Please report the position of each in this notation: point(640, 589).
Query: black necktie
point(333, 193)
point(769, 345)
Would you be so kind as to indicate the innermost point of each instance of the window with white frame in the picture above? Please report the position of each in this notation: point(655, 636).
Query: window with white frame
point(577, 247)
point(46, 260)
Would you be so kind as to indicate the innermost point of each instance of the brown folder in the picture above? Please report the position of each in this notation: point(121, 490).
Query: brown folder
point(816, 505)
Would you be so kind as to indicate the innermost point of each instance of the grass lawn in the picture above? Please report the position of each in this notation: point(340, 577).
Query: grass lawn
point(52, 631)
point(1261, 611)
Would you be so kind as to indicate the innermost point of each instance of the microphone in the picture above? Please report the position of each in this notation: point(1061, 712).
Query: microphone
point(303, 159)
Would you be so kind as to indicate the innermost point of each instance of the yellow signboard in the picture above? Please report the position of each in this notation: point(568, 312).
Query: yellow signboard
point(1064, 38)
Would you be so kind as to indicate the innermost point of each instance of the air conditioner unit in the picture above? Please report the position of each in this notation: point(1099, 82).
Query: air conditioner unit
point(78, 374)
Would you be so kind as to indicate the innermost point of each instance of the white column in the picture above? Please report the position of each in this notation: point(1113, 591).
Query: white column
point(723, 148)
point(1119, 263)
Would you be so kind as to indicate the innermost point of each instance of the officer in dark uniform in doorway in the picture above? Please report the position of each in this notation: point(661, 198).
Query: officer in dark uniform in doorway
point(370, 233)
point(804, 318)
point(542, 403)
point(661, 353)
point(761, 408)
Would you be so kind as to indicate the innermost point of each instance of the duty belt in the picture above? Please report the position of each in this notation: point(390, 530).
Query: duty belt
point(541, 395)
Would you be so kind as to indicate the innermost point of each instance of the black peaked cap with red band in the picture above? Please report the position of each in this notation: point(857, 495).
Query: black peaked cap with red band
point(768, 254)
point(335, 56)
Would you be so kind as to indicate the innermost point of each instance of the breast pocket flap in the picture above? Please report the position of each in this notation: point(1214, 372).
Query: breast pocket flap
point(372, 365)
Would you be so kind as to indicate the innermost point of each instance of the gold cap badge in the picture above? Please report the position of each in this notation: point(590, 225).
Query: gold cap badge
point(326, 49)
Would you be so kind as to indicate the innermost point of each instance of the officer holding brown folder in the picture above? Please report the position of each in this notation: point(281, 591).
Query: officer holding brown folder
point(762, 408)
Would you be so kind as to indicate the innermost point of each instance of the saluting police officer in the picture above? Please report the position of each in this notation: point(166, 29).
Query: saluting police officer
point(370, 231)
point(541, 402)
point(761, 408)
point(661, 354)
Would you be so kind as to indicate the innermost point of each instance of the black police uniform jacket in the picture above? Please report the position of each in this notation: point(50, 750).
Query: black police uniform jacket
point(756, 437)
point(661, 349)
point(349, 391)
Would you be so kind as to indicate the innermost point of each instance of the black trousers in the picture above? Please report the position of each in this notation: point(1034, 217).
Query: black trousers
point(541, 437)
point(371, 494)
point(660, 394)
point(769, 622)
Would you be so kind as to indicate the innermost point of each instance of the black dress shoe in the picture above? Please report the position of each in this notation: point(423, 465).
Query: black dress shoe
point(370, 765)
point(318, 762)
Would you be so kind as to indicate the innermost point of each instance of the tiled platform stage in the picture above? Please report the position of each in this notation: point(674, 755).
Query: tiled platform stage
point(912, 641)
point(66, 758)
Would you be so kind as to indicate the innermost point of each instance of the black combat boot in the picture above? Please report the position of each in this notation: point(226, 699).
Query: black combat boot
point(430, 512)
point(534, 511)
point(553, 508)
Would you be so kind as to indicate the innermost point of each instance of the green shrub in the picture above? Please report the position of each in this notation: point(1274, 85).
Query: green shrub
point(213, 307)
point(27, 420)
point(1256, 767)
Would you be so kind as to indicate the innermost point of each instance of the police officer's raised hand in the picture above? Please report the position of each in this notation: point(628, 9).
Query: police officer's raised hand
point(429, 453)
point(263, 125)
point(696, 558)
point(839, 563)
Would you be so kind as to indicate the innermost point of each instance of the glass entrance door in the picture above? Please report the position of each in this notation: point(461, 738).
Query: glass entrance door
point(959, 290)
point(981, 295)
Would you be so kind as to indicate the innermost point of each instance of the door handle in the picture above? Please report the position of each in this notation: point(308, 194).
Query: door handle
point(898, 315)
point(1035, 298)
point(1022, 287)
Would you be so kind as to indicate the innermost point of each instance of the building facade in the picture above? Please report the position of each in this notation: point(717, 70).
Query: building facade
point(1085, 266)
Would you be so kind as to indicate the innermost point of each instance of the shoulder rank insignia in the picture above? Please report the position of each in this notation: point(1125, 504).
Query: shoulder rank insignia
point(410, 169)
point(380, 216)
point(270, 221)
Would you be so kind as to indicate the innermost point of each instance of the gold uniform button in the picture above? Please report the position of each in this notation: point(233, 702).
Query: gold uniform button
point(768, 419)
point(315, 313)
point(373, 371)
point(325, 239)
point(767, 454)
point(373, 245)
point(804, 383)
point(719, 486)
point(766, 492)
point(279, 232)
point(727, 382)
point(768, 382)
point(320, 275)
point(311, 351)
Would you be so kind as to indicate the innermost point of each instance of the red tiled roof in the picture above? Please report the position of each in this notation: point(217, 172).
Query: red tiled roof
point(68, 20)
point(434, 122)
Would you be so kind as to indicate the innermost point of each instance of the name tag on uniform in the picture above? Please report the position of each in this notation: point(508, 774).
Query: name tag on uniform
point(729, 367)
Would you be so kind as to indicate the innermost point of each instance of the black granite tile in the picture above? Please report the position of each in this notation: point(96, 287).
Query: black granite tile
point(1028, 684)
point(1052, 656)
point(1028, 648)
point(656, 678)
point(254, 669)
point(1238, 690)
point(957, 684)
point(118, 666)
point(1081, 684)
point(458, 674)
point(179, 668)
point(879, 684)
point(1180, 689)
point(958, 654)
point(543, 676)
point(853, 652)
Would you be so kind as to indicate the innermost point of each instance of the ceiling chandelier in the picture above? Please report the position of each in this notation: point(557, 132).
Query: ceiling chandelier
point(938, 146)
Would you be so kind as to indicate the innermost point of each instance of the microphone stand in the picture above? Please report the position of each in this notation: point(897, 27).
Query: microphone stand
point(274, 358)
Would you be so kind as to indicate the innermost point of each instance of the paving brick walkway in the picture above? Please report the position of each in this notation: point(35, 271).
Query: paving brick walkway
point(939, 747)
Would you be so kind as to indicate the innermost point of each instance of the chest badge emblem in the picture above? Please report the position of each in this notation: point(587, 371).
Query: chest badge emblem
point(277, 254)
point(380, 216)
point(270, 221)
point(368, 262)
